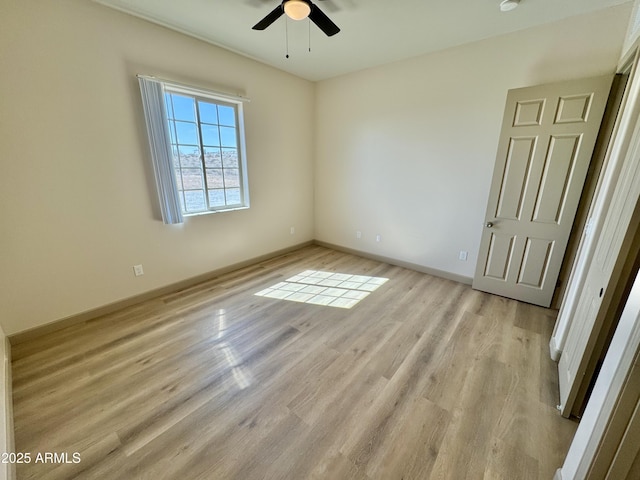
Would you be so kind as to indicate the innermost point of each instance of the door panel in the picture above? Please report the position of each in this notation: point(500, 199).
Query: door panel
point(557, 173)
point(546, 143)
point(535, 262)
point(500, 253)
point(514, 178)
point(528, 113)
point(573, 108)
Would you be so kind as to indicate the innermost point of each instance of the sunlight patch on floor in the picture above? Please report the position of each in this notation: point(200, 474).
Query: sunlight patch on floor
point(341, 290)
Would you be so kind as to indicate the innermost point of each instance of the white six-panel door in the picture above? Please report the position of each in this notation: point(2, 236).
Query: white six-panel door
point(545, 147)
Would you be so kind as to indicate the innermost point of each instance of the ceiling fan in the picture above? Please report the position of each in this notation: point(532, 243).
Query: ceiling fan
point(298, 10)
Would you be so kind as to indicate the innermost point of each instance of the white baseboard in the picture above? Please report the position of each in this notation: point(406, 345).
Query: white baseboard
point(558, 475)
point(554, 352)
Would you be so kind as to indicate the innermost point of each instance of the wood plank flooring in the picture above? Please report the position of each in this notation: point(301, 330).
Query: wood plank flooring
point(423, 379)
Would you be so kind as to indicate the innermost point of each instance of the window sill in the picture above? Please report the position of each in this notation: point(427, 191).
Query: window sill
point(210, 212)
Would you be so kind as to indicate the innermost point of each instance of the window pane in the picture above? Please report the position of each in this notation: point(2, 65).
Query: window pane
point(230, 157)
point(187, 133)
point(183, 108)
point(212, 157)
point(208, 112)
point(168, 105)
point(231, 177)
point(194, 201)
point(228, 136)
point(233, 196)
point(210, 135)
point(178, 175)
point(189, 156)
point(205, 148)
point(227, 115)
point(176, 158)
point(214, 178)
point(192, 179)
point(216, 198)
point(172, 132)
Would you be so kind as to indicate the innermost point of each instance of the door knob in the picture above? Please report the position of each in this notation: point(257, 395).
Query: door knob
point(489, 224)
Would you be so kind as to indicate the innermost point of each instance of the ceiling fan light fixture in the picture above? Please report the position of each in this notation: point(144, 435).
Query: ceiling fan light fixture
point(297, 9)
point(508, 5)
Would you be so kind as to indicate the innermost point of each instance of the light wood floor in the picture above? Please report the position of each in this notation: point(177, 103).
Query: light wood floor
point(424, 379)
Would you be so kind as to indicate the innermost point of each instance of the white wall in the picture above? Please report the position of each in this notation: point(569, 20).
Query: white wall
point(407, 150)
point(77, 202)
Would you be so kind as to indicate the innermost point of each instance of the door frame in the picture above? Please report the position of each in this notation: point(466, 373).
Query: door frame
point(606, 393)
point(616, 152)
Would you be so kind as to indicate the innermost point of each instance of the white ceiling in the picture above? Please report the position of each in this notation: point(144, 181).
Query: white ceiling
point(373, 32)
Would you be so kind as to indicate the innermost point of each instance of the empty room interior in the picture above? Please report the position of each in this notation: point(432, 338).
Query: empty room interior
point(328, 239)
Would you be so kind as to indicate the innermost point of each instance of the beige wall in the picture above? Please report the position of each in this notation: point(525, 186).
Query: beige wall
point(407, 150)
point(77, 202)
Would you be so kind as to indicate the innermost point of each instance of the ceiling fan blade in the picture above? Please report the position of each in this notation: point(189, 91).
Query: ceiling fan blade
point(275, 14)
point(323, 22)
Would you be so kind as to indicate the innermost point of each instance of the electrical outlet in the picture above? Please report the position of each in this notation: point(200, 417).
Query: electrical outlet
point(462, 256)
point(378, 238)
point(137, 270)
point(358, 234)
point(292, 230)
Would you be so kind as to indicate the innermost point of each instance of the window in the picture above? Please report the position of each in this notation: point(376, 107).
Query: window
point(196, 138)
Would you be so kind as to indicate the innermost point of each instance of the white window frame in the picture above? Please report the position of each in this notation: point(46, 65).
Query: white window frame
point(158, 128)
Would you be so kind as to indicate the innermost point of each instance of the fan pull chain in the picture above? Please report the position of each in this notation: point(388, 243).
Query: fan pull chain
point(309, 23)
point(286, 35)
